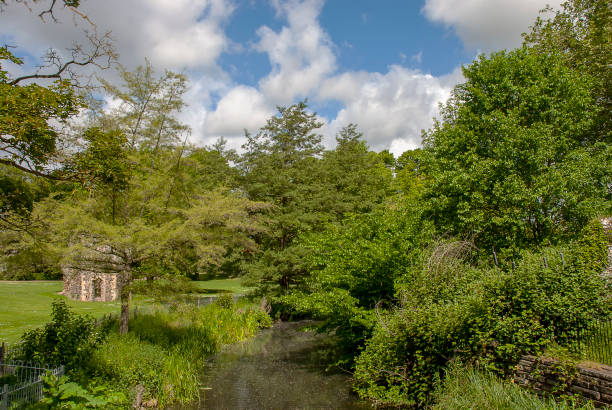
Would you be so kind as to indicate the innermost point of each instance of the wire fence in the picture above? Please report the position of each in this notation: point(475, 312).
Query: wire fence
point(592, 342)
point(21, 382)
point(11, 352)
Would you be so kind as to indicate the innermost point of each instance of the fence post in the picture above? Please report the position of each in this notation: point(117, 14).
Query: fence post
point(562, 259)
point(4, 404)
point(2, 359)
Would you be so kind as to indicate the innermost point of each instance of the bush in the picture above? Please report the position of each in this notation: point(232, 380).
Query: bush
point(225, 301)
point(478, 314)
point(61, 393)
point(126, 361)
point(69, 339)
point(355, 266)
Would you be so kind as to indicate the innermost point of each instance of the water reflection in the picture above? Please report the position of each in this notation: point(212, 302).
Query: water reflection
point(281, 368)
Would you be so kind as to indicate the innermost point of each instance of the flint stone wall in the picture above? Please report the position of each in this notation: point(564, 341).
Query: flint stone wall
point(593, 383)
point(97, 266)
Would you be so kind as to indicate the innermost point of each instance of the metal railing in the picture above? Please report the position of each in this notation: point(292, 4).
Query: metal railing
point(21, 382)
point(592, 342)
point(11, 352)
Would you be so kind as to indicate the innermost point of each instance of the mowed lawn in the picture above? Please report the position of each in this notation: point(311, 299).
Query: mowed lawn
point(27, 304)
point(216, 286)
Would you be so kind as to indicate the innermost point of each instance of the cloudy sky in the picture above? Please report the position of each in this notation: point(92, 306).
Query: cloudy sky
point(384, 65)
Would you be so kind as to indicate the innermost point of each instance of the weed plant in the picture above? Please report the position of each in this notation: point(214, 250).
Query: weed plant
point(469, 388)
point(164, 351)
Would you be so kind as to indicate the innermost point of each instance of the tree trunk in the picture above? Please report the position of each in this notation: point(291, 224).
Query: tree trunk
point(126, 296)
point(125, 313)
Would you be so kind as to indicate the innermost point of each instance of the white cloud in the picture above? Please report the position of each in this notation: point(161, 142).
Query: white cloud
point(390, 109)
point(242, 107)
point(174, 34)
point(300, 53)
point(487, 24)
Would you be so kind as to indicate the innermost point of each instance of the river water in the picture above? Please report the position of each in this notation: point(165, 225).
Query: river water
point(281, 368)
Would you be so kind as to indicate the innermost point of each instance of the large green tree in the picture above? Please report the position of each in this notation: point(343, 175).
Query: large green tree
point(356, 179)
point(278, 166)
point(582, 31)
point(518, 158)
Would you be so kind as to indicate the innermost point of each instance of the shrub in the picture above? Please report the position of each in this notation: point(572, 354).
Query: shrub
point(68, 339)
point(478, 314)
point(128, 361)
point(61, 393)
point(225, 301)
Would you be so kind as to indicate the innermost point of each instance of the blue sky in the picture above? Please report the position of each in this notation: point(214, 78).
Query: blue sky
point(385, 64)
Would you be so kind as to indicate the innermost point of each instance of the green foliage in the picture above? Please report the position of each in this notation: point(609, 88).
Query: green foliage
point(126, 361)
point(148, 114)
point(354, 266)
point(476, 314)
point(411, 173)
point(470, 388)
point(283, 165)
point(164, 352)
point(68, 339)
point(591, 250)
point(521, 162)
point(29, 262)
point(278, 167)
point(582, 31)
point(26, 116)
point(225, 301)
point(353, 179)
point(61, 393)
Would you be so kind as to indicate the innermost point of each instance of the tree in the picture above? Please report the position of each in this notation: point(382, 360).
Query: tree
point(354, 266)
point(278, 167)
point(356, 179)
point(411, 172)
point(582, 32)
point(103, 166)
point(517, 158)
point(148, 105)
point(71, 4)
point(34, 107)
point(27, 112)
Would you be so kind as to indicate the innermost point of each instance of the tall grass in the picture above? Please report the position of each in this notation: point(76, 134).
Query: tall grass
point(164, 351)
point(469, 388)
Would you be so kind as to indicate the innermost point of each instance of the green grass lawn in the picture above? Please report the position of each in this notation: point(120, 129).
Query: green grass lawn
point(27, 304)
point(215, 286)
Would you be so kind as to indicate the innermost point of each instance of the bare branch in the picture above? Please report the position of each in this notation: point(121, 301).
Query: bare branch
point(101, 55)
point(49, 12)
point(32, 171)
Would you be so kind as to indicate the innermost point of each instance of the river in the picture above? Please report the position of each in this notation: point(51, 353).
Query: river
point(281, 368)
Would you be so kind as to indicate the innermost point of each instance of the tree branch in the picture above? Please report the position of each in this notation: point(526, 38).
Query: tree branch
point(54, 75)
point(102, 49)
point(32, 171)
point(49, 11)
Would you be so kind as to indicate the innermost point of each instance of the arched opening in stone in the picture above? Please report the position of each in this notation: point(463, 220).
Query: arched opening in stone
point(97, 288)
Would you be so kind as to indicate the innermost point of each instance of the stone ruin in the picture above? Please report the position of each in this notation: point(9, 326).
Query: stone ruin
point(97, 274)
